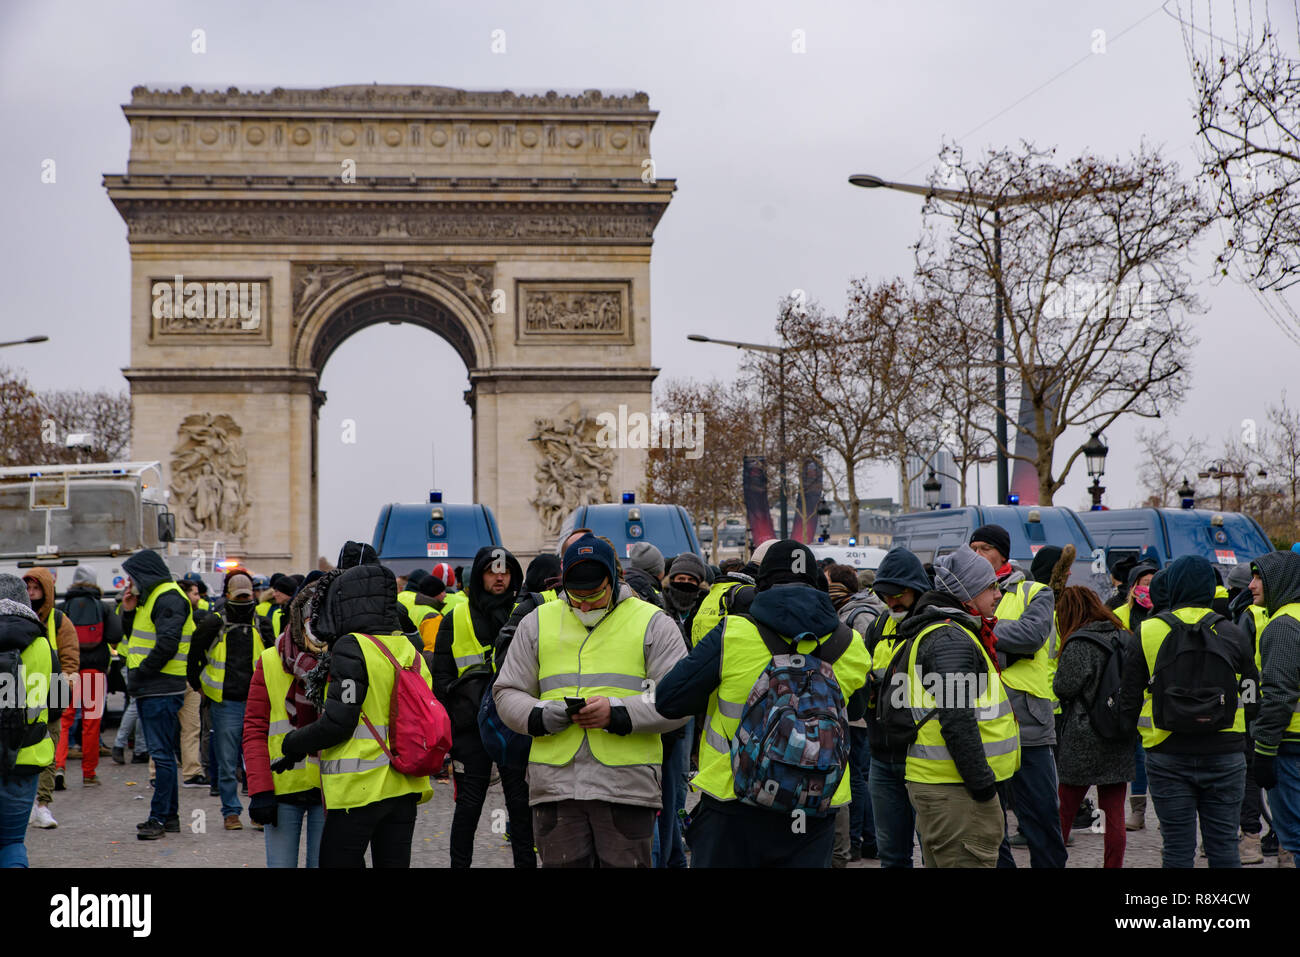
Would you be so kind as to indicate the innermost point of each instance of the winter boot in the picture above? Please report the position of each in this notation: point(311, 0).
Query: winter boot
point(1137, 816)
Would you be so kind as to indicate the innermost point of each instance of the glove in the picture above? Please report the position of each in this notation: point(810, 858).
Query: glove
point(261, 808)
point(286, 763)
point(131, 682)
point(554, 717)
point(1265, 771)
point(984, 794)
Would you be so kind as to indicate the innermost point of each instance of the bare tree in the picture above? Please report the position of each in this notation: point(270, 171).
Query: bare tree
point(1091, 282)
point(20, 425)
point(1283, 454)
point(105, 415)
point(1167, 464)
point(1248, 111)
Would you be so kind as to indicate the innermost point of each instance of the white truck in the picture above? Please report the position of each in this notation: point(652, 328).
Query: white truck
point(62, 516)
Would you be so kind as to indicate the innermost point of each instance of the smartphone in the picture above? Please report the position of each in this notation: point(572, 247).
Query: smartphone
point(574, 705)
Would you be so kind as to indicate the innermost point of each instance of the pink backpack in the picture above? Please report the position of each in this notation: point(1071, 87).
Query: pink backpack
point(419, 731)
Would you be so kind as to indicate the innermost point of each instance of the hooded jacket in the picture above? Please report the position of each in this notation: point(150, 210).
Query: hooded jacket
point(644, 585)
point(237, 624)
point(517, 697)
point(363, 600)
point(18, 630)
point(1189, 582)
point(1279, 651)
point(79, 607)
point(149, 571)
point(66, 632)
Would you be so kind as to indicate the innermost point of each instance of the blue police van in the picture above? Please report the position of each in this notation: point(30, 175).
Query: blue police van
point(667, 527)
point(419, 536)
point(1224, 538)
point(931, 534)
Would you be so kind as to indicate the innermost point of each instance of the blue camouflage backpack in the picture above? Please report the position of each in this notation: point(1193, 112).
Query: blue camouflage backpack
point(791, 750)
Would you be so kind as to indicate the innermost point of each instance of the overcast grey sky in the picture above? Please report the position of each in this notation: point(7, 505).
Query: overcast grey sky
point(759, 139)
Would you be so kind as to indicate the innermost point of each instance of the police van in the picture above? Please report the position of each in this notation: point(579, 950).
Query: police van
point(931, 534)
point(420, 536)
point(668, 528)
point(1223, 538)
point(861, 557)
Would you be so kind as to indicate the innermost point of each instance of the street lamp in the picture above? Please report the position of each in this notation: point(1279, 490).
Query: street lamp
point(1214, 472)
point(1094, 453)
point(930, 488)
point(824, 510)
point(993, 202)
point(1187, 494)
point(780, 353)
point(23, 342)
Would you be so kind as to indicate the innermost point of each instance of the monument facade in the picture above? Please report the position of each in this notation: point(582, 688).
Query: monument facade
point(267, 227)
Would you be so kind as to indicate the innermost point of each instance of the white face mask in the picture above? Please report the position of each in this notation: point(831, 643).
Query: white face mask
point(898, 615)
point(590, 618)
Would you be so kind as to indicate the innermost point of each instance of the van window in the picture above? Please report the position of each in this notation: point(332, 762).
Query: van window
point(662, 527)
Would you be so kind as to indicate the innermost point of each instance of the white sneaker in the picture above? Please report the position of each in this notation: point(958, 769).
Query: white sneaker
point(42, 817)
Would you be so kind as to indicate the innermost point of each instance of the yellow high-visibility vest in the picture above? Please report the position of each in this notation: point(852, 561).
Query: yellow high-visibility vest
point(144, 638)
point(357, 772)
point(301, 777)
point(709, 613)
point(213, 676)
point(744, 657)
point(1033, 675)
point(40, 663)
point(608, 661)
point(928, 758)
point(466, 649)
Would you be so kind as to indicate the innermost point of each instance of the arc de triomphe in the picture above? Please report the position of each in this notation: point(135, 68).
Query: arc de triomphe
point(265, 228)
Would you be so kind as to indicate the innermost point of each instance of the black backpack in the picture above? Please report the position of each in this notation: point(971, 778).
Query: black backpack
point(1103, 710)
point(894, 719)
point(1194, 683)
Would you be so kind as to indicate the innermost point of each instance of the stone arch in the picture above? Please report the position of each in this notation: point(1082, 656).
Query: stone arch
point(354, 304)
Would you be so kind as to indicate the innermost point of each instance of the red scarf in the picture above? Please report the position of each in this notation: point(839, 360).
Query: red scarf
point(990, 640)
point(296, 664)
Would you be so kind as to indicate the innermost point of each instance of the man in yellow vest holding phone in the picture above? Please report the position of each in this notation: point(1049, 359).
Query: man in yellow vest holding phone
point(580, 677)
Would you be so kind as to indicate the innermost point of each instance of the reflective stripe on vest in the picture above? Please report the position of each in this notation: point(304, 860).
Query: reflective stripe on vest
point(39, 666)
point(1033, 675)
point(1154, 632)
point(303, 776)
point(709, 613)
point(468, 651)
point(213, 675)
point(744, 658)
point(1290, 611)
point(357, 772)
point(144, 639)
point(928, 758)
point(608, 661)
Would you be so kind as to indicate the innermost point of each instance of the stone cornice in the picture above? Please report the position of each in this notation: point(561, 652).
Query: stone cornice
point(388, 99)
point(395, 221)
point(169, 183)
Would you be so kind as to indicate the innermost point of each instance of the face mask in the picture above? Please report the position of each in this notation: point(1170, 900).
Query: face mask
point(1142, 595)
point(898, 615)
point(590, 619)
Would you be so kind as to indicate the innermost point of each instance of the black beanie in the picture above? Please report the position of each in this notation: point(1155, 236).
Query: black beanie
point(414, 577)
point(283, 584)
point(430, 585)
point(541, 570)
point(780, 564)
point(995, 535)
point(1040, 569)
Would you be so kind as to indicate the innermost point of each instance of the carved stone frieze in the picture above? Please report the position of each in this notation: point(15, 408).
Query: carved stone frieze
point(209, 467)
point(574, 469)
point(314, 281)
point(599, 310)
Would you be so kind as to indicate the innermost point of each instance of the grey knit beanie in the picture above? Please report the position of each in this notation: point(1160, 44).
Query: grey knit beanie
point(963, 574)
point(85, 575)
point(647, 558)
point(688, 563)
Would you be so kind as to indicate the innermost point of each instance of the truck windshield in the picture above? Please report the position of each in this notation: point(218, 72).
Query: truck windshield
point(95, 519)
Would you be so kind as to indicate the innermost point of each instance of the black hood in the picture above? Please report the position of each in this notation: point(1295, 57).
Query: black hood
point(148, 570)
point(901, 569)
point(541, 570)
point(363, 599)
point(19, 631)
point(1191, 582)
point(353, 554)
point(483, 559)
point(1159, 592)
point(1280, 573)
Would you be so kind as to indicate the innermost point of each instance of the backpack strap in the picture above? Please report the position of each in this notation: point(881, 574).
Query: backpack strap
point(382, 743)
point(828, 651)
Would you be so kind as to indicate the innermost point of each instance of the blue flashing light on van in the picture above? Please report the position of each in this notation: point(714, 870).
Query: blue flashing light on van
point(667, 527)
point(419, 536)
point(1223, 538)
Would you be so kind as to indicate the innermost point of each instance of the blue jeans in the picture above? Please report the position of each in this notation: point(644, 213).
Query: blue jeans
point(1187, 786)
point(284, 837)
point(227, 737)
point(160, 716)
point(893, 818)
point(131, 719)
point(16, 797)
point(668, 849)
point(1284, 802)
point(1140, 781)
point(862, 825)
point(1037, 805)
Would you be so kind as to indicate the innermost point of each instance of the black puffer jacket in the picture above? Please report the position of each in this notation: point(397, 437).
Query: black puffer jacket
point(1279, 649)
point(84, 605)
point(170, 612)
point(644, 586)
point(19, 629)
point(241, 653)
point(951, 653)
point(362, 599)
